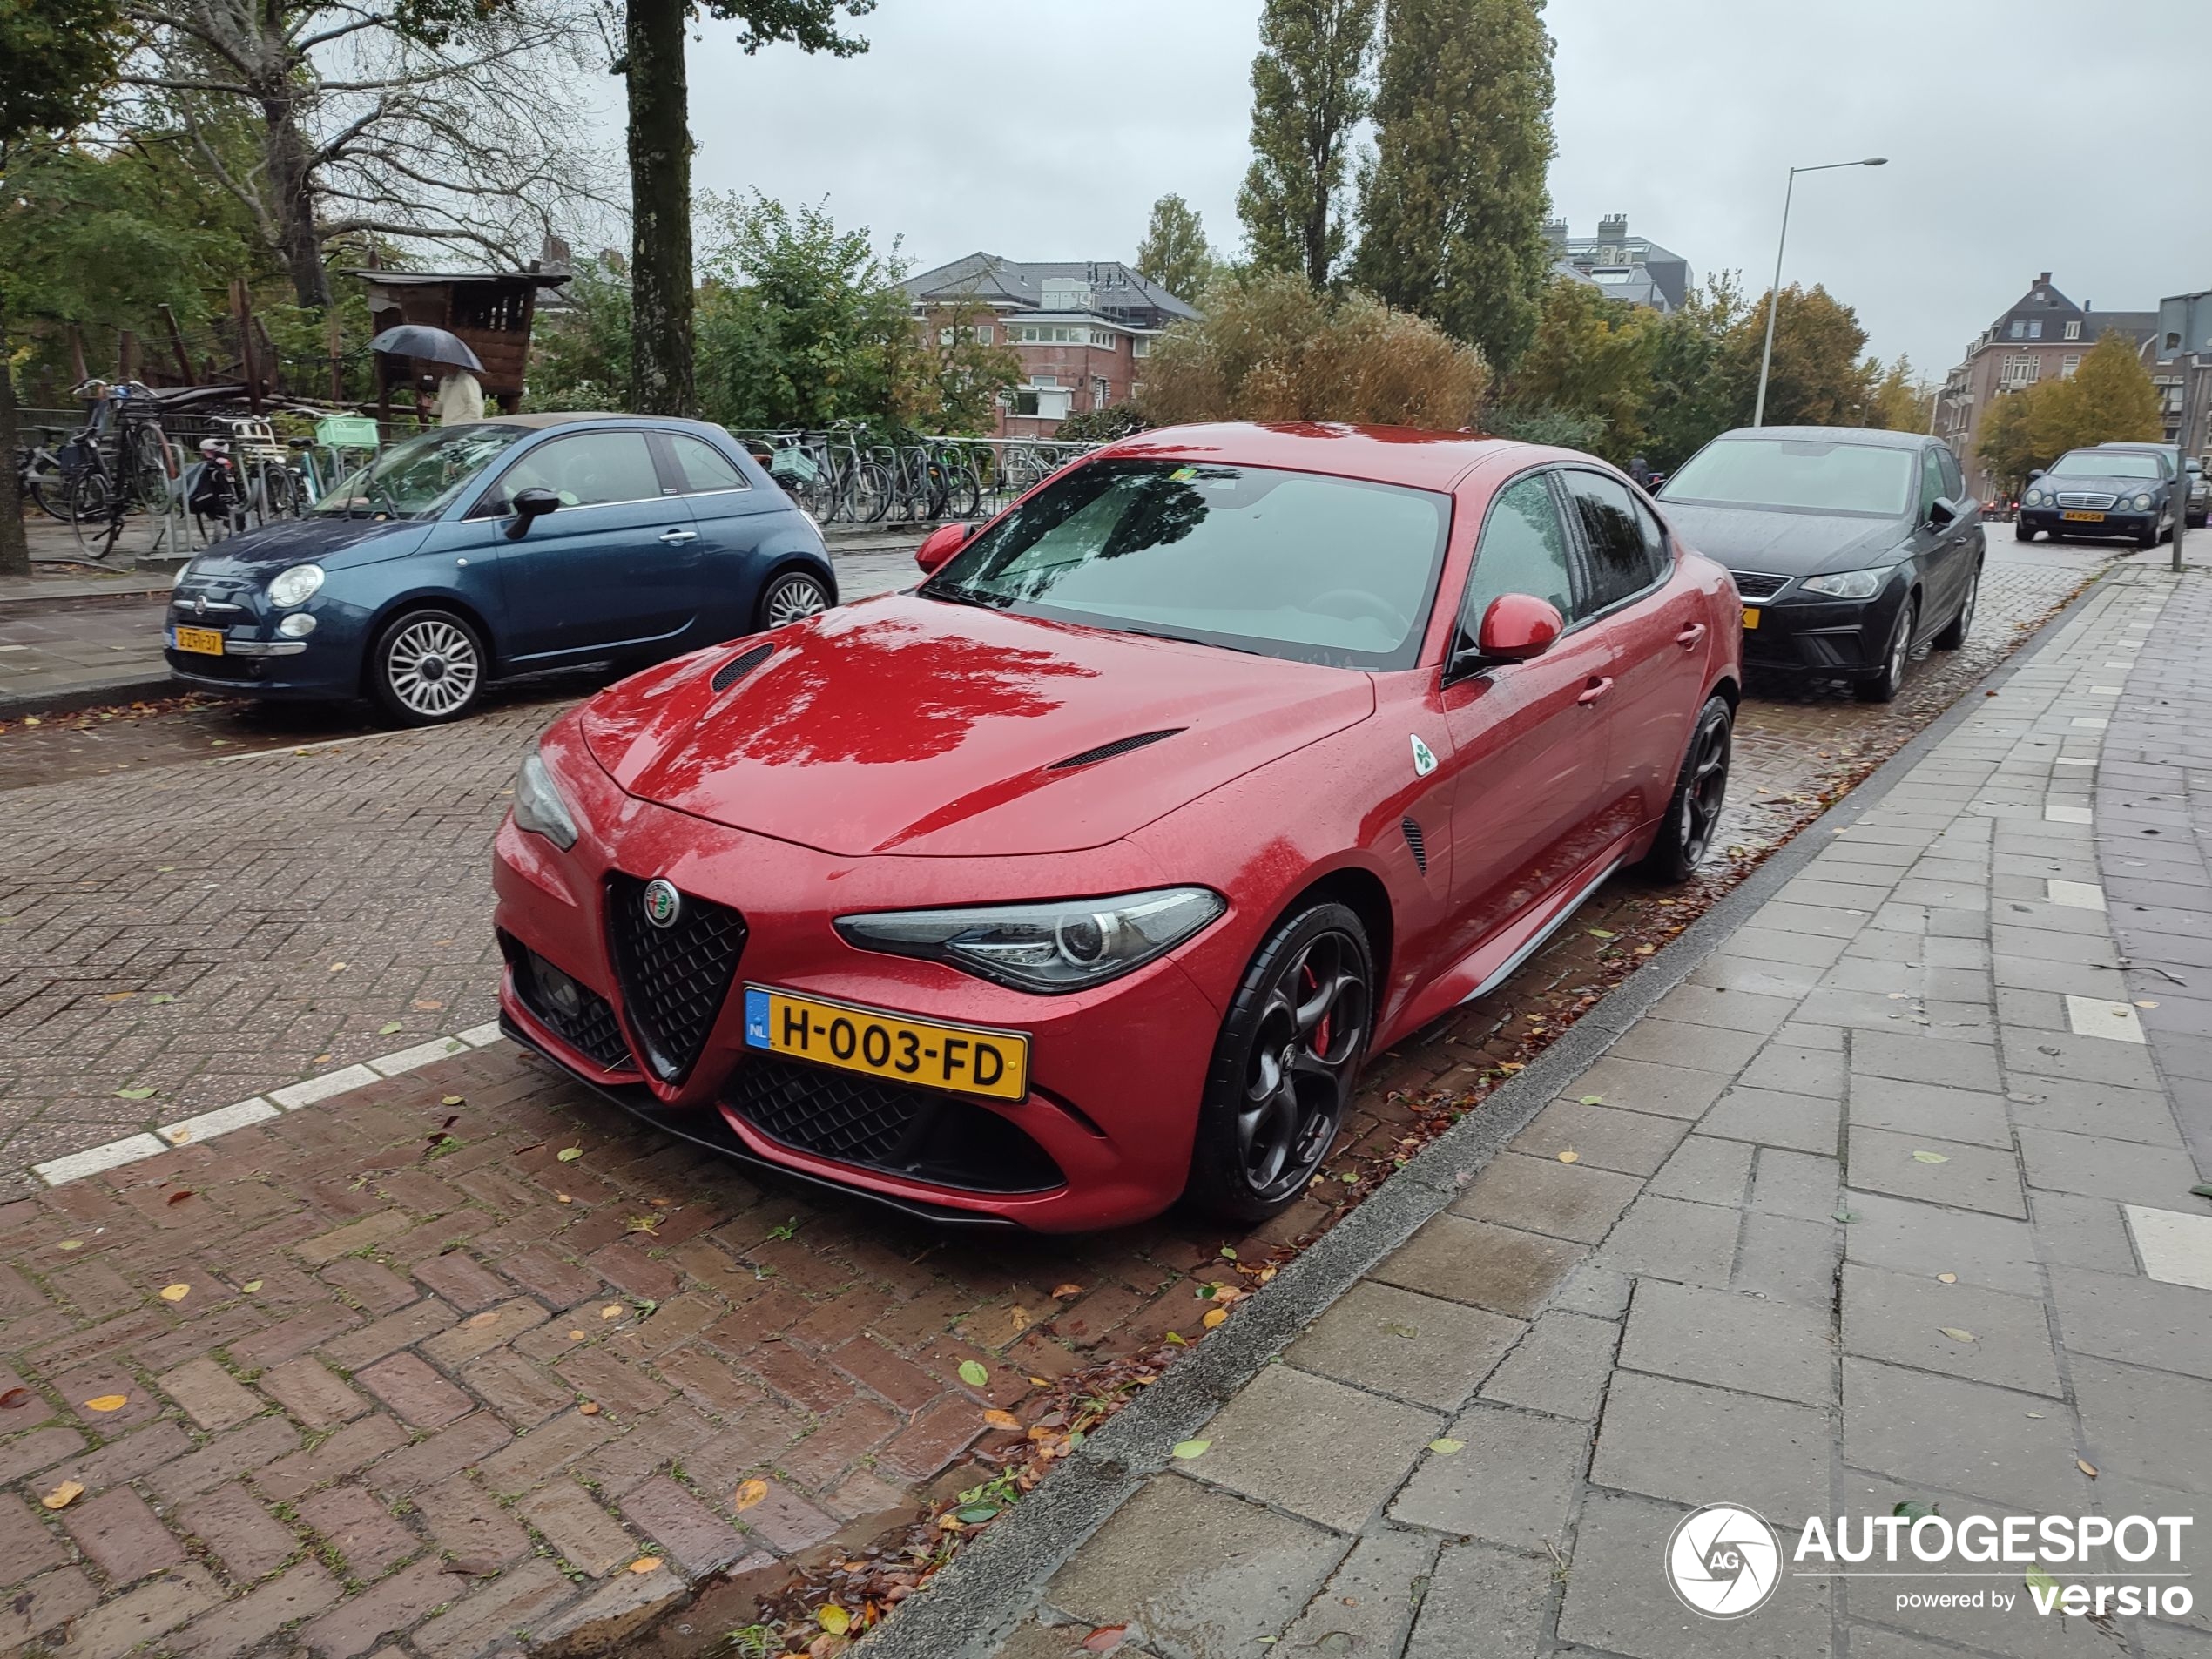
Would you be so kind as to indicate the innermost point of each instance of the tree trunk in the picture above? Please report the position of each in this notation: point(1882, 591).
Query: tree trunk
point(660, 211)
point(14, 550)
point(291, 184)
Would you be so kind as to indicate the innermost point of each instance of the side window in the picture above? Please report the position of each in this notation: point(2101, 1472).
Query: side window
point(587, 470)
point(703, 468)
point(1654, 539)
point(1953, 485)
point(1523, 551)
point(1619, 560)
point(1932, 481)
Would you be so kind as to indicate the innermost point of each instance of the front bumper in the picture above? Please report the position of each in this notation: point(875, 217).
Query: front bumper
point(1811, 634)
point(255, 660)
point(2123, 522)
point(1103, 1139)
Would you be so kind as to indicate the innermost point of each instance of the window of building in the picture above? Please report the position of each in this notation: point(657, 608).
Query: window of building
point(1044, 380)
point(2073, 331)
point(1101, 394)
point(2067, 368)
point(2018, 329)
point(2035, 331)
point(1139, 346)
point(2020, 371)
point(1104, 340)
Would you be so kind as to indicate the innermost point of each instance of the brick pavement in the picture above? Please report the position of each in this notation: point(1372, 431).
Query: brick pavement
point(1888, 1203)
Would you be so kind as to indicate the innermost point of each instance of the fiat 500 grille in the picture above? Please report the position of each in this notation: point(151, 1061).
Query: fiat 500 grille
point(885, 1126)
point(674, 979)
point(579, 1017)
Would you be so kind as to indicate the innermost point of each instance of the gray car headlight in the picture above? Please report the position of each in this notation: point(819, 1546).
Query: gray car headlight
point(2141, 501)
point(1066, 945)
point(295, 586)
point(1848, 584)
point(2033, 498)
point(538, 805)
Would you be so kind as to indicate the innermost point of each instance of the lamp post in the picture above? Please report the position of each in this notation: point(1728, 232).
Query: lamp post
point(1774, 293)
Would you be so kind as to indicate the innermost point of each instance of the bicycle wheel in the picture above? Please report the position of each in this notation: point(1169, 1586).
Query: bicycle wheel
point(280, 492)
point(149, 468)
point(94, 514)
point(871, 492)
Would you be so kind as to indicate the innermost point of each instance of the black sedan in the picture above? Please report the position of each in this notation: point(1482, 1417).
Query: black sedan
point(1852, 549)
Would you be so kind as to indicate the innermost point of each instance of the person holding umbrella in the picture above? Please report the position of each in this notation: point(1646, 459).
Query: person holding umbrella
point(460, 396)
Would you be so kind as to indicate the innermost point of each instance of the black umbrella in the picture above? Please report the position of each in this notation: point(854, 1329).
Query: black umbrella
point(430, 345)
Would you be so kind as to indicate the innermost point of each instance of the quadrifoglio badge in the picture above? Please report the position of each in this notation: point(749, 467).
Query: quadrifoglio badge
point(1724, 1562)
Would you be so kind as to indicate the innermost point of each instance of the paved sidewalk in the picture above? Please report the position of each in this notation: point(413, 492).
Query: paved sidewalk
point(1887, 1202)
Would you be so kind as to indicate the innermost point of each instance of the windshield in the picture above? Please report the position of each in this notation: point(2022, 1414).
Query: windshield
point(418, 478)
point(2107, 463)
point(1290, 564)
point(1812, 474)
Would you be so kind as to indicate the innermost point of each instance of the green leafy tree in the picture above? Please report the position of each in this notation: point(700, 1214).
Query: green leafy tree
point(1590, 359)
point(1174, 253)
point(1896, 401)
point(57, 57)
point(1697, 391)
point(1271, 347)
point(660, 167)
point(1819, 377)
point(2008, 444)
point(1309, 91)
point(580, 353)
point(1454, 201)
point(2110, 399)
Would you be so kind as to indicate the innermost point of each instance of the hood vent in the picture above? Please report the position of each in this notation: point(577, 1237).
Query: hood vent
point(741, 666)
point(1420, 848)
point(1108, 751)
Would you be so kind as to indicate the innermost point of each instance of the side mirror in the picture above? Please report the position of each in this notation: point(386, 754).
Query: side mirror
point(941, 544)
point(1516, 627)
point(2034, 473)
point(526, 508)
point(1942, 511)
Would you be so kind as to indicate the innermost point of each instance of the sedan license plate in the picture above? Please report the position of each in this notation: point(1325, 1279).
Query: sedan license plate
point(961, 1059)
point(2083, 518)
point(208, 641)
point(1751, 617)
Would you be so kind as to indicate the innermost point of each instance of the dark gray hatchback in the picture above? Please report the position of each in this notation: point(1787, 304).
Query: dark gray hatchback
point(1851, 547)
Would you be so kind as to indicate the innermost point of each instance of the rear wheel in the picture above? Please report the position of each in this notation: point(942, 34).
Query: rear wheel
point(1955, 635)
point(1701, 790)
point(792, 596)
point(1283, 1065)
point(428, 667)
point(1897, 658)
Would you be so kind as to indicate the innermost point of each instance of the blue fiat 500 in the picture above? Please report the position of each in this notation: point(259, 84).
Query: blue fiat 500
point(503, 547)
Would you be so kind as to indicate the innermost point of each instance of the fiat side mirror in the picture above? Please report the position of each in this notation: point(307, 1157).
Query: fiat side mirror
point(941, 544)
point(527, 506)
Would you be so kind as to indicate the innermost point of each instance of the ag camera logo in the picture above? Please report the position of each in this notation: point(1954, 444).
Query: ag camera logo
point(1723, 1561)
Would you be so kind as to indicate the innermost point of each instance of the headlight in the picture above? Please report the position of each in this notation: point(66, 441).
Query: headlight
point(183, 571)
point(2141, 501)
point(538, 805)
point(2034, 498)
point(1849, 585)
point(295, 586)
point(1064, 946)
point(297, 625)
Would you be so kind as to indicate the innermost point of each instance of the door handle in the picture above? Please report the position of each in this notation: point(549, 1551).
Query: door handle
point(1596, 688)
point(1689, 637)
point(672, 538)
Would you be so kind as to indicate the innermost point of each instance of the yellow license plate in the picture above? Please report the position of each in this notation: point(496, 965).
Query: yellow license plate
point(206, 641)
point(1751, 617)
point(962, 1059)
point(2083, 518)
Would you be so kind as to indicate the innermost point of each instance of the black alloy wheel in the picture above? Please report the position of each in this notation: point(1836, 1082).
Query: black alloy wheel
point(1701, 790)
point(1896, 658)
point(1955, 632)
point(1285, 1065)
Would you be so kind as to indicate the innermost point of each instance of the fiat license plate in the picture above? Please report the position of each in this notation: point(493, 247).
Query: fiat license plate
point(208, 641)
point(2083, 518)
point(1751, 617)
point(962, 1059)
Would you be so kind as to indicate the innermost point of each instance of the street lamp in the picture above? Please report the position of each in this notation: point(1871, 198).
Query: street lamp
point(1774, 293)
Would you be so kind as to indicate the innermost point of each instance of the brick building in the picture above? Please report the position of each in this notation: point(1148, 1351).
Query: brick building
point(1081, 328)
point(2043, 335)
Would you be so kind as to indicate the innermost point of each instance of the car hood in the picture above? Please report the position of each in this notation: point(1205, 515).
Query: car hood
point(911, 725)
point(1783, 543)
point(2097, 483)
point(329, 540)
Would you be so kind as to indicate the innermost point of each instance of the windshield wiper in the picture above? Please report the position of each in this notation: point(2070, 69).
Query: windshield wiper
point(952, 594)
point(1184, 639)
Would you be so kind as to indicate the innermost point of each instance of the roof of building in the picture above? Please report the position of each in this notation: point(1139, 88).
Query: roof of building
point(2044, 303)
point(427, 278)
point(1117, 292)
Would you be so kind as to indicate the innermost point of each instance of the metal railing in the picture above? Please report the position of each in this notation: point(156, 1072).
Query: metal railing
point(852, 476)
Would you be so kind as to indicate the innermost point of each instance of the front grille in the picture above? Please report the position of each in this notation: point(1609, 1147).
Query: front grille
point(1108, 751)
point(2085, 498)
point(1759, 584)
point(579, 1017)
point(881, 1125)
point(673, 979)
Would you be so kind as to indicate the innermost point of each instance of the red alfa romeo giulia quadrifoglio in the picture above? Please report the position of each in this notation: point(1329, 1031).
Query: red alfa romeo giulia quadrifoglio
point(1084, 876)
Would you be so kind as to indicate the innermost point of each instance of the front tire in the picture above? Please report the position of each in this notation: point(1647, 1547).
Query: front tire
point(1284, 1066)
point(1701, 790)
point(1897, 659)
point(428, 667)
point(2021, 533)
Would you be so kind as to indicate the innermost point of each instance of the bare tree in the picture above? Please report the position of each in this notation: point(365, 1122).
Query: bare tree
point(387, 118)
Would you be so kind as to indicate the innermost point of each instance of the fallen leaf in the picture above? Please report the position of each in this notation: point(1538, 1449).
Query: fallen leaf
point(176, 1137)
point(1041, 1382)
point(1175, 1340)
point(751, 1492)
point(473, 1567)
point(1104, 1639)
point(453, 1099)
point(2035, 1578)
point(1600, 932)
point(2146, 1005)
point(388, 1027)
point(612, 1311)
point(179, 1197)
point(589, 1408)
point(134, 1093)
point(1020, 1318)
point(107, 1402)
point(321, 1059)
point(1067, 1290)
point(998, 1419)
point(576, 1336)
point(250, 1285)
point(1593, 1100)
point(338, 967)
point(63, 1495)
point(1846, 1216)
point(563, 1198)
point(1930, 1157)
point(14, 1399)
point(1214, 1316)
point(1227, 1254)
point(175, 1292)
point(834, 1619)
point(1946, 1278)
point(1956, 1334)
point(1913, 1509)
point(1570, 1155)
point(2085, 1467)
point(161, 997)
point(646, 1564)
point(569, 1154)
point(478, 1321)
point(427, 1005)
point(1445, 1448)
point(973, 1374)
point(1187, 1449)
point(70, 1244)
point(1397, 1328)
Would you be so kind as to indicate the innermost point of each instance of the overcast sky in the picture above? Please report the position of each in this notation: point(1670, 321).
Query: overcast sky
point(2023, 135)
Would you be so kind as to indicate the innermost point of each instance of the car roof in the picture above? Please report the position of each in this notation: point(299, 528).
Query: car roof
point(537, 420)
point(1874, 437)
point(1390, 455)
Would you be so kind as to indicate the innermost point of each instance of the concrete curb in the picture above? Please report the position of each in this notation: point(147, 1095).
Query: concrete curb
point(136, 686)
point(972, 1606)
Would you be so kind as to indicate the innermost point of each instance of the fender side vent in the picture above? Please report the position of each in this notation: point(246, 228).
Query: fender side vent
point(741, 666)
point(1412, 833)
point(1108, 751)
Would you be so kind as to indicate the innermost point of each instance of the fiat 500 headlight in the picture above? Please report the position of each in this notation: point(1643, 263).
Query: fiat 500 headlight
point(1848, 584)
point(295, 586)
point(538, 805)
point(1066, 945)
